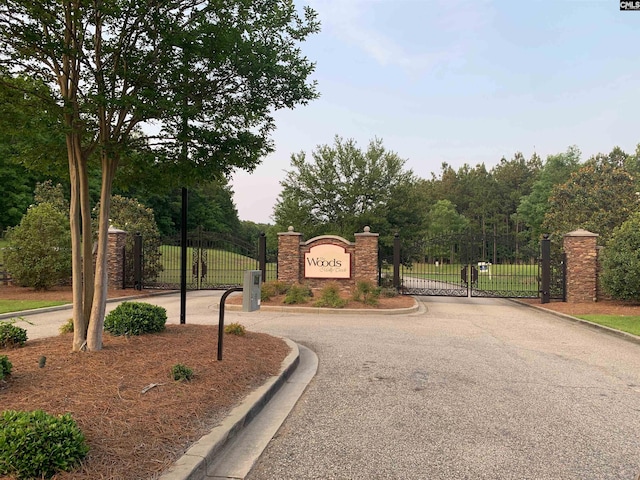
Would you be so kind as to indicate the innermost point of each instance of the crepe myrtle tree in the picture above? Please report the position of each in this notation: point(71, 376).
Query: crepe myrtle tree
point(168, 91)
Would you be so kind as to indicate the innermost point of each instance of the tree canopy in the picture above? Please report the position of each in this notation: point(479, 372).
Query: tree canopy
point(342, 189)
point(168, 90)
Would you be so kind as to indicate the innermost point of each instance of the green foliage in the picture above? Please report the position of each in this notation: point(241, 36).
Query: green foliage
point(131, 216)
point(330, 296)
point(39, 251)
point(67, 327)
point(599, 197)
point(181, 372)
point(342, 189)
point(12, 336)
point(135, 318)
point(5, 366)
point(38, 445)
point(388, 292)
point(620, 275)
point(273, 288)
point(298, 293)
point(46, 192)
point(235, 329)
point(366, 292)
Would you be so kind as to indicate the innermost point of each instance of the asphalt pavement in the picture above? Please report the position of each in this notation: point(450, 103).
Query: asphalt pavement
point(459, 389)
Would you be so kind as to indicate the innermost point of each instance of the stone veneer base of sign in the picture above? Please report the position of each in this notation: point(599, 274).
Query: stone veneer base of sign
point(362, 256)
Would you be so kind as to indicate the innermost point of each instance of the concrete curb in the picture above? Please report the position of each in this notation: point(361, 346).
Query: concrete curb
point(612, 331)
point(68, 306)
point(327, 311)
point(200, 456)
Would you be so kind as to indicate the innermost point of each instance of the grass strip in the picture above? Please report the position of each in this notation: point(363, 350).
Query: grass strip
point(7, 306)
point(624, 323)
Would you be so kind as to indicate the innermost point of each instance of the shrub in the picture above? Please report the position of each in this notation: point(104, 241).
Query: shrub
point(67, 327)
point(135, 318)
point(235, 329)
point(298, 294)
point(181, 372)
point(388, 292)
point(366, 292)
point(330, 296)
point(621, 261)
point(12, 336)
point(38, 445)
point(38, 254)
point(5, 366)
point(272, 288)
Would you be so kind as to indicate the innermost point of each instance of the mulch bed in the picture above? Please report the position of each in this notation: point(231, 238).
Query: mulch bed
point(135, 435)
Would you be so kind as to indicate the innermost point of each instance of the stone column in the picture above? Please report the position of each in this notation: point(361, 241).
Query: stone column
point(582, 266)
point(366, 261)
point(115, 258)
point(289, 256)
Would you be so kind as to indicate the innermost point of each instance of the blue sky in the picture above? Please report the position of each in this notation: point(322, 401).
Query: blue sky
point(460, 82)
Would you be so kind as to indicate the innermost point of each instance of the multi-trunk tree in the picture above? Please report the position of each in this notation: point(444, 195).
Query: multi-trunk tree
point(173, 90)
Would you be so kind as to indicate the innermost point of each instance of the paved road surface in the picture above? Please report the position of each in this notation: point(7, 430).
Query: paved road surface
point(463, 389)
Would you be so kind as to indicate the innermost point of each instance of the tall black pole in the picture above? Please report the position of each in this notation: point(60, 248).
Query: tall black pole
point(183, 259)
point(545, 284)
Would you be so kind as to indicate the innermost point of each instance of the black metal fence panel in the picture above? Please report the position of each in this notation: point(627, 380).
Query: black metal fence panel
point(470, 264)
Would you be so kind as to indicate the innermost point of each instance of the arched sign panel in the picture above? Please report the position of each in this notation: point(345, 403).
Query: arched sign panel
point(327, 261)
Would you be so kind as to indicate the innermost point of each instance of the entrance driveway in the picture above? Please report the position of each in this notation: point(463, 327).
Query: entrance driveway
point(463, 389)
point(466, 388)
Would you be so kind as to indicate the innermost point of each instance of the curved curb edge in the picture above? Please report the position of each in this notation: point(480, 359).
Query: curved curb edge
point(200, 456)
point(327, 311)
point(612, 331)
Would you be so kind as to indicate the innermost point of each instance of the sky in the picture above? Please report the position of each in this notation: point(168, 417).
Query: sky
point(460, 81)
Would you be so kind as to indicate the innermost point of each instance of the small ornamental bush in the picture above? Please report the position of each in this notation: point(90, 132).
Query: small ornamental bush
point(330, 297)
point(135, 318)
point(298, 294)
point(388, 292)
point(12, 336)
point(235, 329)
point(621, 261)
point(366, 292)
point(5, 366)
point(273, 288)
point(181, 372)
point(67, 327)
point(38, 445)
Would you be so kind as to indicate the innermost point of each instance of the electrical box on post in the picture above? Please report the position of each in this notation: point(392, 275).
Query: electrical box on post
point(251, 290)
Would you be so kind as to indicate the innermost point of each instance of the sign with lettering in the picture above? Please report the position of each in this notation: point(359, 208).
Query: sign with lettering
point(327, 261)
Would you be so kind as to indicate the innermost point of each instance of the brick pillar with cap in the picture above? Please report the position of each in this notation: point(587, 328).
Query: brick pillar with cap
point(366, 256)
point(582, 266)
point(289, 256)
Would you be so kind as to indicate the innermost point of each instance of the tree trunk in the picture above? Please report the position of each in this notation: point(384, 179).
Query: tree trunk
point(96, 321)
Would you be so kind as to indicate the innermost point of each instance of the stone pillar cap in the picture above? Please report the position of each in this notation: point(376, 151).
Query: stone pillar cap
point(115, 230)
point(581, 233)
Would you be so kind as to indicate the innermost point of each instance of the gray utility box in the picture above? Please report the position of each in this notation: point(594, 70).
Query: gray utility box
point(251, 290)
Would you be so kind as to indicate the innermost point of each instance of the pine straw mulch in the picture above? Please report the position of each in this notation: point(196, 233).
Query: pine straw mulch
point(135, 435)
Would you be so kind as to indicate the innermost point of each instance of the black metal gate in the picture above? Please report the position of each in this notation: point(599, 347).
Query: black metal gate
point(214, 261)
point(470, 265)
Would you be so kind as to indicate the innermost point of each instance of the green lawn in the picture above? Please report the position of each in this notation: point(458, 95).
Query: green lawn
point(629, 324)
point(223, 267)
point(7, 306)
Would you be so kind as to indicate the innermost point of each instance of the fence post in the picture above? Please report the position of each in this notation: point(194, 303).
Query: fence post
point(396, 261)
point(137, 261)
point(262, 255)
point(545, 281)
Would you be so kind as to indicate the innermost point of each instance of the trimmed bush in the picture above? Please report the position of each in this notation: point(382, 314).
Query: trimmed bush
point(181, 372)
point(135, 318)
point(12, 336)
point(272, 288)
point(5, 366)
point(38, 445)
point(298, 294)
point(235, 329)
point(330, 296)
point(66, 327)
point(39, 250)
point(366, 292)
point(621, 261)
